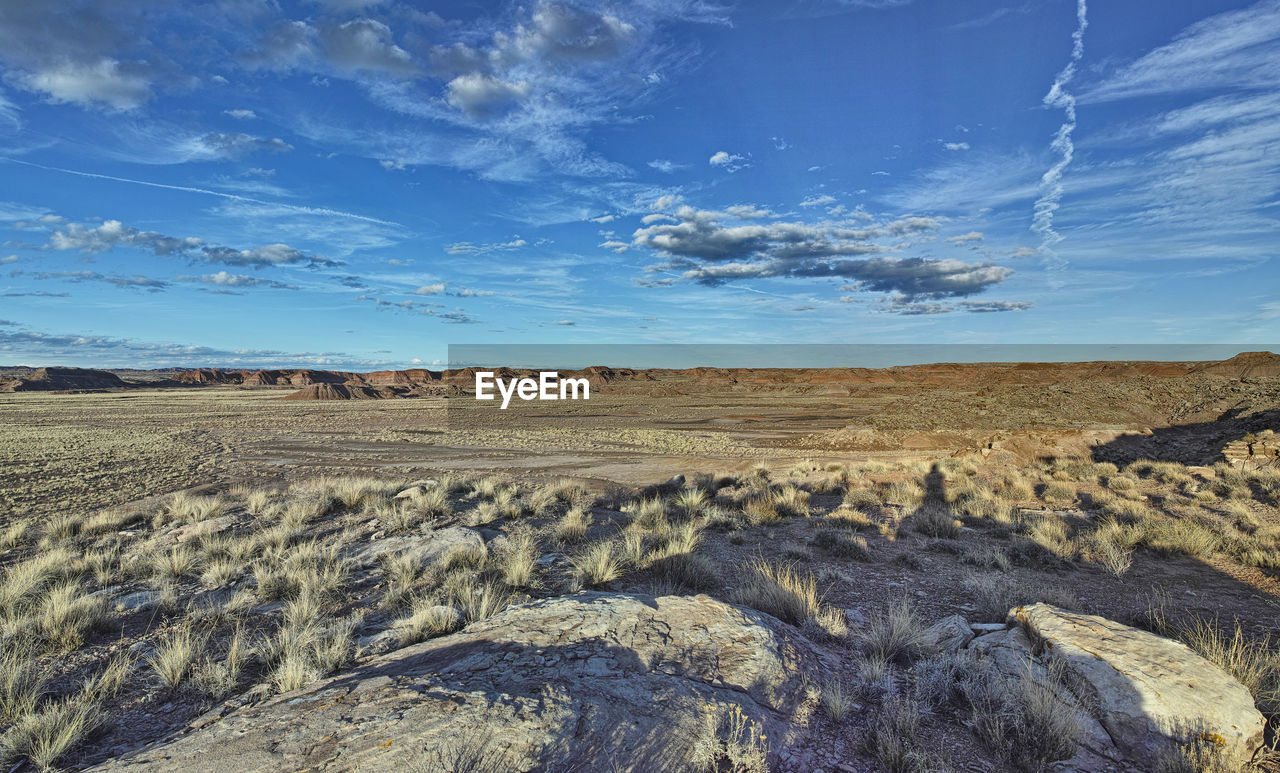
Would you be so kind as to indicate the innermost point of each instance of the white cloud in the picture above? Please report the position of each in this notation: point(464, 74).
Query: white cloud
point(702, 247)
point(731, 161)
point(665, 166)
point(366, 45)
point(1239, 48)
point(818, 201)
point(103, 82)
point(481, 95)
point(241, 114)
point(962, 239)
point(432, 289)
point(467, 248)
point(112, 234)
point(955, 145)
point(228, 280)
point(9, 112)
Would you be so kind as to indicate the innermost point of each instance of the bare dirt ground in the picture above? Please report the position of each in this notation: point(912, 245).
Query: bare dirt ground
point(98, 449)
point(889, 452)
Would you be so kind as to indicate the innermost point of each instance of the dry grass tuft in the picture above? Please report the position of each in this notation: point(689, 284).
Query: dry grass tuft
point(572, 528)
point(598, 565)
point(781, 591)
point(893, 634)
point(427, 620)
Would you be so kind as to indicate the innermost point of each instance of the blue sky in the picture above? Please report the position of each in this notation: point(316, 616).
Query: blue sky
point(360, 183)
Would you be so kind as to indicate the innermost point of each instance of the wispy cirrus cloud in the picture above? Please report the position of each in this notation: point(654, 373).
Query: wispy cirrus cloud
point(423, 308)
point(136, 282)
point(1235, 49)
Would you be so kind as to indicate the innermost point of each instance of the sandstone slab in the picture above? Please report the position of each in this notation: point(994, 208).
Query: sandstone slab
point(572, 683)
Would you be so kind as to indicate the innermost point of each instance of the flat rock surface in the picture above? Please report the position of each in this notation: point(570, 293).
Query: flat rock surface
point(1147, 689)
point(422, 548)
point(568, 683)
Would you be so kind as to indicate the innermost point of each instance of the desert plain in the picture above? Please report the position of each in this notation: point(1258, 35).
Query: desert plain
point(942, 567)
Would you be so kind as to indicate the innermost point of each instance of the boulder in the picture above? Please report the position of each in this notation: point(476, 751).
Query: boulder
point(583, 682)
point(423, 548)
point(1149, 693)
point(198, 529)
point(950, 634)
point(143, 599)
point(413, 492)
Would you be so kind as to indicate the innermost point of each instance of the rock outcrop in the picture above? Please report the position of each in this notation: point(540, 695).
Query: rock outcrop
point(572, 683)
point(422, 550)
point(1147, 693)
point(1254, 452)
point(326, 391)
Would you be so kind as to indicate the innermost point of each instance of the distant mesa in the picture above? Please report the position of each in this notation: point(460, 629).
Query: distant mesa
point(419, 382)
point(1244, 365)
point(62, 379)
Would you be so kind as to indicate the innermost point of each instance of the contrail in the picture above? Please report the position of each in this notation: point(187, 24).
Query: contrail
point(207, 192)
point(1051, 183)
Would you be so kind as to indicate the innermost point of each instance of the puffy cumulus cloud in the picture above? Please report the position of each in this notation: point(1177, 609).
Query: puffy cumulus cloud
point(553, 34)
point(730, 162)
point(104, 82)
point(366, 45)
point(704, 235)
point(112, 234)
point(285, 46)
point(432, 289)
point(916, 278)
point(95, 54)
point(955, 145)
point(481, 95)
point(713, 247)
